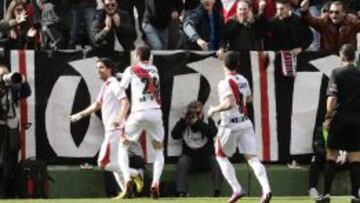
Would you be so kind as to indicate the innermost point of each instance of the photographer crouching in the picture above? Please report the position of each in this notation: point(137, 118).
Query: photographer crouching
point(13, 88)
point(197, 135)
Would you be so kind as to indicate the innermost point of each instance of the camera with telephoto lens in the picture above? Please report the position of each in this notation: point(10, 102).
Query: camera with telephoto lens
point(11, 78)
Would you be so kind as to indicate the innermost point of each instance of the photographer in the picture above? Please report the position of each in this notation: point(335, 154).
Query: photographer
point(198, 147)
point(13, 88)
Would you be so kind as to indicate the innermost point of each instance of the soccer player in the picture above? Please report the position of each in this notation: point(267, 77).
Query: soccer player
point(236, 130)
point(112, 102)
point(145, 113)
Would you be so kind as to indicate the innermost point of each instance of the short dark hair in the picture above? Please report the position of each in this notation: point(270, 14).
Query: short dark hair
point(194, 104)
point(348, 52)
point(143, 52)
point(285, 2)
point(231, 60)
point(338, 3)
point(108, 63)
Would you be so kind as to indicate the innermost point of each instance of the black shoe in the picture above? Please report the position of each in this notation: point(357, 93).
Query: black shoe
point(355, 200)
point(266, 198)
point(181, 194)
point(323, 199)
point(217, 193)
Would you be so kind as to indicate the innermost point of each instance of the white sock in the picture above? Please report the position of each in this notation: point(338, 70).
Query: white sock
point(124, 162)
point(260, 173)
point(133, 172)
point(119, 180)
point(228, 171)
point(158, 166)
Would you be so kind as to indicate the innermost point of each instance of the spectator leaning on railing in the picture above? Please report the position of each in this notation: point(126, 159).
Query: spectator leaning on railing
point(204, 26)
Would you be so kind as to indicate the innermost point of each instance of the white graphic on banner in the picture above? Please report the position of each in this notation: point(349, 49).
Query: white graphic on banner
point(304, 110)
point(59, 108)
point(185, 92)
point(326, 64)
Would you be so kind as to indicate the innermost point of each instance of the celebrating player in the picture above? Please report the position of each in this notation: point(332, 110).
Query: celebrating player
point(145, 113)
point(236, 130)
point(112, 101)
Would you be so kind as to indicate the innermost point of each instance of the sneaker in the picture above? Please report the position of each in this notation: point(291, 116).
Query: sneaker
point(236, 196)
point(217, 193)
point(139, 183)
point(323, 199)
point(355, 200)
point(127, 194)
point(266, 198)
point(313, 193)
point(155, 191)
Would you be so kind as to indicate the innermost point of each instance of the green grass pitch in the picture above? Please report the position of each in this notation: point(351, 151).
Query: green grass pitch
point(179, 200)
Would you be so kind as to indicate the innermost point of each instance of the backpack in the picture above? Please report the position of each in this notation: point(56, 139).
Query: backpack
point(32, 179)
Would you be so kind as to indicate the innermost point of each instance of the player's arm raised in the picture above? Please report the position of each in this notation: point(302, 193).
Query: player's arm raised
point(86, 112)
point(226, 104)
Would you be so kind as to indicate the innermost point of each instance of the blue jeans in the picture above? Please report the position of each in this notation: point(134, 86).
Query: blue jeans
point(80, 14)
point(157, 39)
point(315, 45)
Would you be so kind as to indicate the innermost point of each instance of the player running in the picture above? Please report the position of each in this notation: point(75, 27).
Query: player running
point(236, 129)
point(112, 102)
point(145, 113)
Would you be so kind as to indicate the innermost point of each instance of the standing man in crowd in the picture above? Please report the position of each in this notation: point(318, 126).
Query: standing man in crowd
point(112, 101)
point(336, 28)
point(286, 31)
point(145, 113)
point(157, 17)
point(111, 23)
point(343, 121)
point(242, 32)
point(236, 129)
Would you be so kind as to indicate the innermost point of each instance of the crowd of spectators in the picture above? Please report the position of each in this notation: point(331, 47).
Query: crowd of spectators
point(292, 25)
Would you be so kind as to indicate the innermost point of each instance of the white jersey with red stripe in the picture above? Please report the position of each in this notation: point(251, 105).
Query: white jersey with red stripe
point(109, 98)
point(233, 83)
point(145, 86)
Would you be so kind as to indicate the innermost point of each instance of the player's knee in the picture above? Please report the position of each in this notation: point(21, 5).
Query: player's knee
point(157, 145)
point(249, 157)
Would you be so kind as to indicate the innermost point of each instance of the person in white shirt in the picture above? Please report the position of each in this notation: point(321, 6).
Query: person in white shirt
point(145, 113)
point(236, 129)
point(112, 102)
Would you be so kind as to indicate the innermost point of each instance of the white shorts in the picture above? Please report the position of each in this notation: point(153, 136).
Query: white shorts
point(239, 135)
point(149, 120)
point(108, 155)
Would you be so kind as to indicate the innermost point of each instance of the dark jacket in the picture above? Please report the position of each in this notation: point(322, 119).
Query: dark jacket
point(353, 6)
point(106, 40)
point(332, 36)
point(158, 12)
point(286, 34)
point(241, 37)
point(197, 25)
point(185, 133)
